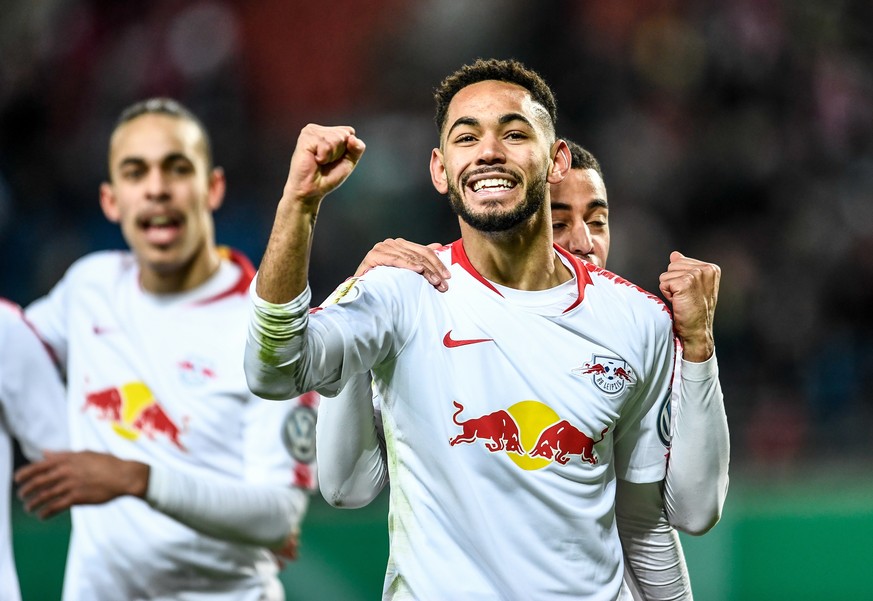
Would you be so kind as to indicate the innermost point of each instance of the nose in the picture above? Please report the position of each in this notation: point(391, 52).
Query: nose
point(581, 242)
point(491, 151)
point(156, 185)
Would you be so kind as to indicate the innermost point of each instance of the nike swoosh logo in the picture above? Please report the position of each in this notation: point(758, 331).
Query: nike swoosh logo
point(449, 342)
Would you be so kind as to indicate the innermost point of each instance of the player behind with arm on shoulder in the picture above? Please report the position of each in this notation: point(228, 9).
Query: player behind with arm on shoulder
point(183, 484)
point(32, 411)
point(520, 417)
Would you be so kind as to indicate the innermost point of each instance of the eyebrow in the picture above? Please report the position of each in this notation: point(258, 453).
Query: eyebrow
point(502, 120)
point(170, 158)
point(594, 204)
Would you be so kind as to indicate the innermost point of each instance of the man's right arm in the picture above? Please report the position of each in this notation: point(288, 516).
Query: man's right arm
point(323, 158)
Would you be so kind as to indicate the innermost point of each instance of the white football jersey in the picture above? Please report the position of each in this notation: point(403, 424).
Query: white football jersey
point(159, 379)
point(508, 416)
point(32, 410)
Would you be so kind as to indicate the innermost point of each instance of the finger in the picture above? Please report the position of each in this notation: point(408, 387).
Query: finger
point(41, 498)
point(355, 148)
point(667, 291)
point(53, 507)
point(34, 481)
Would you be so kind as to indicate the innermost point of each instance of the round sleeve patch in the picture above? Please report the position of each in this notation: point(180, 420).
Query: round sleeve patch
point(298, 433)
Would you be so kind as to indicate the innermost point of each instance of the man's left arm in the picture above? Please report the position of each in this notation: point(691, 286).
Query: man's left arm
point(697, 475)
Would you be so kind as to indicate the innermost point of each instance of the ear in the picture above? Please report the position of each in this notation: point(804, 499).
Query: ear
point(108, 203)
point(560, 162)
point(438, 171)
point(217, 188)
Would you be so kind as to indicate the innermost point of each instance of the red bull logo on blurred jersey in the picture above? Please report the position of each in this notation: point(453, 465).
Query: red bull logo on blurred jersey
point(133, 411)
point(531, 434)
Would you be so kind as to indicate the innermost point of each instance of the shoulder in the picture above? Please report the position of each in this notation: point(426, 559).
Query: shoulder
point(618, 292)
point(15, 332)
point(10, 311)
point(11, 321)
point(101, 264)
point(379, 282)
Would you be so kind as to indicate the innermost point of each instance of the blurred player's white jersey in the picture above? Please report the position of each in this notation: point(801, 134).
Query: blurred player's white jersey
point(159, 379)
point(508, 416)
point(32, 409)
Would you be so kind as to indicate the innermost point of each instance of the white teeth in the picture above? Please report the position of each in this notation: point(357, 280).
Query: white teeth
point(494, 182)
point(159, 220)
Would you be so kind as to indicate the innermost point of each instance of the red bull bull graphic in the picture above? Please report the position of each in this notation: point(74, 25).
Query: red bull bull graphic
point(498, 429)
point(133, 411)
point(609, 374)
point(532, 435)
point(563, 439)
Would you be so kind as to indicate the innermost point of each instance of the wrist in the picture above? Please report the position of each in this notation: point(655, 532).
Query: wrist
point(698, 351)
point(137, 478)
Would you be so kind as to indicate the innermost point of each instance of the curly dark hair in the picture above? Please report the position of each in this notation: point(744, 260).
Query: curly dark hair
point(510, 71)
point(581, 158)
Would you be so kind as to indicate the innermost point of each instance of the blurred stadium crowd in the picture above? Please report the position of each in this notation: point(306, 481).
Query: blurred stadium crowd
point(738, 132)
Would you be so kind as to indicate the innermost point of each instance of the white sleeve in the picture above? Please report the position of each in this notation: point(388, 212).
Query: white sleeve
point(352, 465)
point(32, 396)
point(697, 473)
point(233, 511)
point(274, 344)
point(290, 350)
point(655, 565)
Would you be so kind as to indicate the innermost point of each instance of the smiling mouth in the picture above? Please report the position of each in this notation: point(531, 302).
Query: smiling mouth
point(493, 184)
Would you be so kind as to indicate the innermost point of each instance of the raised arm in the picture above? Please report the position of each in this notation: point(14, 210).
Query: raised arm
point(323, 159)
point(697, 476)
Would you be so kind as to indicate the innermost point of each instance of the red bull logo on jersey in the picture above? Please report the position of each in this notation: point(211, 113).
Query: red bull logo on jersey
point(195, 371)
point(530, 433)
point(609, 374)
point(133, 411)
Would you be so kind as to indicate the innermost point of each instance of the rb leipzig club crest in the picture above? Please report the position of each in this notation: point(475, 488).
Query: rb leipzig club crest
point(609, 374)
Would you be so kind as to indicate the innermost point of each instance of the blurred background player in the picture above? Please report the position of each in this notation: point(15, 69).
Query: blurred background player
point(503, 329)
point(696, 485)
point(183, 484)
point(32, 411)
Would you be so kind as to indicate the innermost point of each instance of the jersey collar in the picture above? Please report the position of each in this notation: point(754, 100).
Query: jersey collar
point(246, 274)
point(583, 278)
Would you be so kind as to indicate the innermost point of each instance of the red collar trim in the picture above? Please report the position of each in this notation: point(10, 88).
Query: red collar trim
point(583, 278)
point(247, 273)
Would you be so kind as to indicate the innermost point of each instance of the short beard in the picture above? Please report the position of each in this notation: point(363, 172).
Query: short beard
point(492, 221)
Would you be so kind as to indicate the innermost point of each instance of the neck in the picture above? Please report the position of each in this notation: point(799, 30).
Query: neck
point(173, 279)
point(523, 259)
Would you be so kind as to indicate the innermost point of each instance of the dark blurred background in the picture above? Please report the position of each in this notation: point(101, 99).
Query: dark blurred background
point(739, 132)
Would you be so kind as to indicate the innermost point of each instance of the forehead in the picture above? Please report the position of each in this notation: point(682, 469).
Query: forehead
point(491, 99)
point(151, 137)
point(579, 188)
